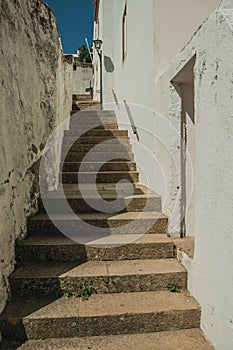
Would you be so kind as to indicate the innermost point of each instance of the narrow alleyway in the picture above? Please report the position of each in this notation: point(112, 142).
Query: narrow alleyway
point(130, 306)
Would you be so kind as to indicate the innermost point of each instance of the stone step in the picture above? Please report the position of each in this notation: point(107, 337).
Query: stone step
point(83, 127)
point(102, 176)
point(84, 105)
point(82, 140)
point(186, 339)
point(92, 118)
point(81, 97)
point(47, 248)
point(122, 223)
point(105, 277)
point(88, 101)
point(97, 132)
point(92, 122)
point(102, 314)
point(101, 147)
point(95, 113)
point(92, 166)
point(97, 156)
point(106, 188)
point(91, 204)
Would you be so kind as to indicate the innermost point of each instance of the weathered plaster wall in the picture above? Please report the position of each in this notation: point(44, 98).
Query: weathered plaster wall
point(210, 273)
point(82, 79)
point(155, 33)
point(131, 80)
point(105, 31)
point(36, 92)
point(174, 24)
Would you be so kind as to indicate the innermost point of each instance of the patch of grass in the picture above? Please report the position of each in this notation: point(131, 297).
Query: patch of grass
point(173, 287)
point(83, 290)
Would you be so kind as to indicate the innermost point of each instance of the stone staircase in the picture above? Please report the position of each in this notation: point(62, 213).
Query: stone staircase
point(83, 101)
point(131, 307)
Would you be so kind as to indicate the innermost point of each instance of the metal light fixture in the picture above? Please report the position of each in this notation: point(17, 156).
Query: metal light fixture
point(98, 45)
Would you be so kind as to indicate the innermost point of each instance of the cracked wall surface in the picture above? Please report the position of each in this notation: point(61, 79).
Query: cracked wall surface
point(209, 272)
point(36, 91)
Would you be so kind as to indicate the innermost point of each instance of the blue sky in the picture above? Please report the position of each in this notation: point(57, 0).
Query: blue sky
point(75, 22)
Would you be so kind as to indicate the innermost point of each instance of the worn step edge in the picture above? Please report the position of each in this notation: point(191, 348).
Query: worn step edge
point(97, 132)
point(91, 166)
point(105, 276)
point(97, 112)
point(90, 177)
point(97, 148)
point(97, 156)
point(126, 222)
point(79, 205)
point(186, 339)
point(102, 314)
point(84, 140)
point(61, 248)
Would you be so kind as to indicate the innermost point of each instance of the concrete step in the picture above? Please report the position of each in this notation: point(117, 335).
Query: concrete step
point(81, 97)
point(123, 223)
point(106, 189)
point(70, 140)
point(186, 339)
point(101, 147)
point(47, 248)
point(95, 113)
point(94, 122)
point(93, 118)
point(97, 156)
point(102, 314)
point(105, 276)
point(136, 203)
point(92, 166)
point(83, 127)
point(97, 132)
point(83, 105)
point(102, 177)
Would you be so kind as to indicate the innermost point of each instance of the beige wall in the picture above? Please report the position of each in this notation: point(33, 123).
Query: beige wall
point(36, 94)
point(175, 22)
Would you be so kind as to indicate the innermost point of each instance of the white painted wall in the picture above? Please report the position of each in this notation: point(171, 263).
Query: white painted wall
point(210, 275)
point(175, 22)
point(105, 31)
point(82, 79)
point(153, 39)
point(134, 76)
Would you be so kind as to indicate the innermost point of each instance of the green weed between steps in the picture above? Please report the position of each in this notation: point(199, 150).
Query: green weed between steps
point(83, 290)
point(173, 287)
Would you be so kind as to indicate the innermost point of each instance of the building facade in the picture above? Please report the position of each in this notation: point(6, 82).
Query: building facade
point(167, 74)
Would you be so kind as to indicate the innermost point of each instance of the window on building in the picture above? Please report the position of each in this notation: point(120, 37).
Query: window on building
point(124, 34)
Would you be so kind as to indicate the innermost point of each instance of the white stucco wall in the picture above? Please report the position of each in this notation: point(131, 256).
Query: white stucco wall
point(138, 61)
point(175, 22)
point(210, 139)
point(105, 31)
point(210, 275)
point(131, 80)
point(156, 31)
point(82, 79)
point(36, 95)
